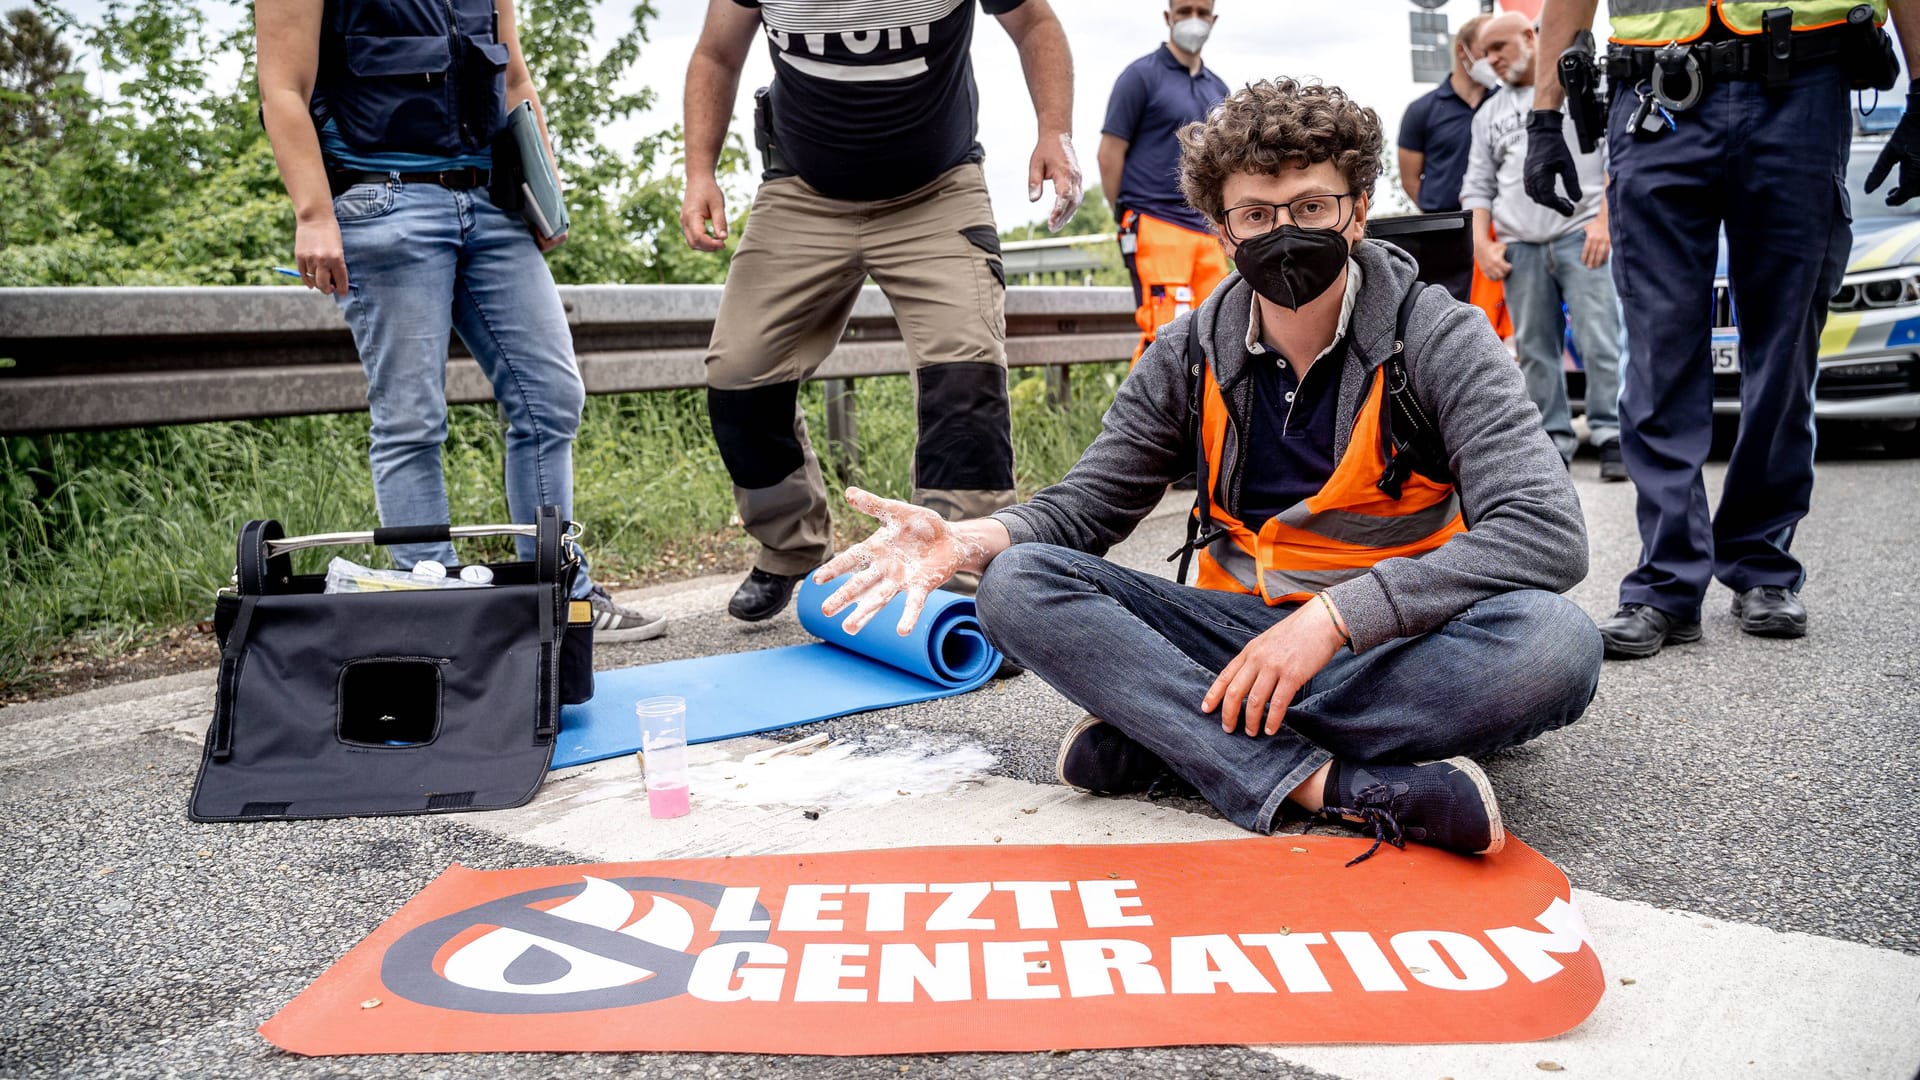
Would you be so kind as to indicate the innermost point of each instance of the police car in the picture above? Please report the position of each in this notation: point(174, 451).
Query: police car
point(1870, 351)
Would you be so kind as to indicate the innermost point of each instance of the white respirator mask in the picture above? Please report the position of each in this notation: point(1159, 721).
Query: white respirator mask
point(1191, 34)
point(1481, 71)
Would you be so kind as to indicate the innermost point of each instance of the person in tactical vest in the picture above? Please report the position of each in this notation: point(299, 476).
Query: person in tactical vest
point(1382, 526)
point(1726, 116)
point(872, 168)
point(383, 115)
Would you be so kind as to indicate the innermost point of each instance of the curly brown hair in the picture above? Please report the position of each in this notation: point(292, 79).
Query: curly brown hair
point(1277, 124)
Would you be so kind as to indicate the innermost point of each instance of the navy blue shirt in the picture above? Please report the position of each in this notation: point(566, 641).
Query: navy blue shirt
point(1152, 100)
point(1290, 447)
point(1440, 125)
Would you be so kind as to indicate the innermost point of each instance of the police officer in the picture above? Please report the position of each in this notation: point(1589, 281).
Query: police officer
point(1735, 116)
point(382, 116)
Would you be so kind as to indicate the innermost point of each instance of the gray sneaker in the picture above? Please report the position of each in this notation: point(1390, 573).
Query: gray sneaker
point(613, 624)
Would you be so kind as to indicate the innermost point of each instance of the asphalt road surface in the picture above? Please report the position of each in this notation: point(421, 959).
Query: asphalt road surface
point(1737, 818)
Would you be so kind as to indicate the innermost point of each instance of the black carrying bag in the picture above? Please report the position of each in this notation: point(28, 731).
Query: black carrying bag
point(409, 702)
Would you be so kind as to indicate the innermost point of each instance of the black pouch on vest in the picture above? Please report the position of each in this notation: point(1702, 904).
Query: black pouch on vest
point(409, 702)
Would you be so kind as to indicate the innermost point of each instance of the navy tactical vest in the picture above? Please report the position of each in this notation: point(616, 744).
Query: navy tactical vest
point(414, 76)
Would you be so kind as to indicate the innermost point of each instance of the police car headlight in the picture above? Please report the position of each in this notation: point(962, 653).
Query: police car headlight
point(1896, 286)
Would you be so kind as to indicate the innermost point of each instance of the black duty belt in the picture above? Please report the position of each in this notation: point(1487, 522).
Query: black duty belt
point(1724, 60)
point(457, 179)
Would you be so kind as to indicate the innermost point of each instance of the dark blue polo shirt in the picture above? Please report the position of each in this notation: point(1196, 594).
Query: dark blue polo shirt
point(1152, 100)
point(1290, 447)
point(1440, 125)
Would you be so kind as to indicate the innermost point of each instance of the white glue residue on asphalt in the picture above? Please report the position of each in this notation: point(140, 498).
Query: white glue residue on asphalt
point(864, 771)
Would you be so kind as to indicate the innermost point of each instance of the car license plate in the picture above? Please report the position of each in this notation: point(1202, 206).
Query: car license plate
point(1726, 357)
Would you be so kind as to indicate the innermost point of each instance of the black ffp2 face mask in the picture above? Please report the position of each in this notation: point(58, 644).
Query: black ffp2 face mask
point(1292, 266)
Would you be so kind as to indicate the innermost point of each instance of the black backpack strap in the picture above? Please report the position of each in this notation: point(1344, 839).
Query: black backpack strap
point(1409, 440)
point(1200, 530)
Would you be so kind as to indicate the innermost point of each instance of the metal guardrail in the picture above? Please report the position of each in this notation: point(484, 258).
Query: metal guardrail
point(76, 359)
point(1059, 259)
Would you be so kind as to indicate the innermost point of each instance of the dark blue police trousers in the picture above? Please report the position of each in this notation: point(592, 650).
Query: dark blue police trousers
point(1771, 167)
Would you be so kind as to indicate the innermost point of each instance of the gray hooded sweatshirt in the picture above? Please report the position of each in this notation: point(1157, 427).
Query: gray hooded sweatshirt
point(1524, 525)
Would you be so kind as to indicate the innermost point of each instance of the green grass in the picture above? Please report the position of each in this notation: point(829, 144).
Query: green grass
point(110, 535)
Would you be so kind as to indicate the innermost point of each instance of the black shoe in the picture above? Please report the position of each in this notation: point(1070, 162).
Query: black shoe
point(1008, 670)
point(1612, 465)
point(1637, 631)
point(1099, 759)
point(1771, 611)
point(1448, 804)
point(762, 595)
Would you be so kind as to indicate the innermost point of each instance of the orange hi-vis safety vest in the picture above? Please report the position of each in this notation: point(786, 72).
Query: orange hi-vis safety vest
point(1331, 536)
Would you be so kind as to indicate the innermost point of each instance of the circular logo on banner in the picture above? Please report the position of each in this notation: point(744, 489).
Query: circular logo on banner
point(588, 952)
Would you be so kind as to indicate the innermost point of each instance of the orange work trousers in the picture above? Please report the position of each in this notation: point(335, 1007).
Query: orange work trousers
point(1490, 296)
point(1173, 269)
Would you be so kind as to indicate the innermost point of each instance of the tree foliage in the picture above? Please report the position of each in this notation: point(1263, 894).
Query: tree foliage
point(165, 177)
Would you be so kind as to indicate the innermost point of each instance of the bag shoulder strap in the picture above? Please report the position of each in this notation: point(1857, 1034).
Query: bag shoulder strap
point(1421, 450)
point(1200, 530)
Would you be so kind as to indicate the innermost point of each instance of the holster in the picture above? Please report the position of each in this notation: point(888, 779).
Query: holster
point(1580, 77)
point(775, 162)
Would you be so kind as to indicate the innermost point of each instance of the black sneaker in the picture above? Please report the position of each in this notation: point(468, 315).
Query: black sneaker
point(1448, 804)
point(1771, 611)
point(1097, 758)
point(1612, 465)
point(762, 595)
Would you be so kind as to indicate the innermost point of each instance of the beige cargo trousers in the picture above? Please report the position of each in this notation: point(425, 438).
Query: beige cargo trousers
point(935, 253)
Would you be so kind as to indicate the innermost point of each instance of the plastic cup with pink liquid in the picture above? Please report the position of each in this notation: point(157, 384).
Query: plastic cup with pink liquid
point(663, 754)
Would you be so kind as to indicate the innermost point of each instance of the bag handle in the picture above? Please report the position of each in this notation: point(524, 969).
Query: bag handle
point(399, 534)
point(257, 561)
point(264, 547)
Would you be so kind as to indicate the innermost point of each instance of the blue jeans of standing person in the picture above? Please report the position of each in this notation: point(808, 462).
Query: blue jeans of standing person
point(424, 260)
point(1545, 276)
point(1140, 652)
point(1769, 165)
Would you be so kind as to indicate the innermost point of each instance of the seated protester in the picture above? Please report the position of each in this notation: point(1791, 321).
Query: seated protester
point(1369, 638)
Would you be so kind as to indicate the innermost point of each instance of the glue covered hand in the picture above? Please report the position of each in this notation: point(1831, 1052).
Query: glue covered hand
point(914, 551)
point(1062, 166)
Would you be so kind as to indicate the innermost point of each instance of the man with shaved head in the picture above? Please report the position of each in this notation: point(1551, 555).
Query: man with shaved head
point(1545, 258)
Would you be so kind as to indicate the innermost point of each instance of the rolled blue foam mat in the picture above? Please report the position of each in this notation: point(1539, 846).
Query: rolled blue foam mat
point(767, 689)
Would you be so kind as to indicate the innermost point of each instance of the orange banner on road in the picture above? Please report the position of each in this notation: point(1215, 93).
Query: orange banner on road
point(1261, 940)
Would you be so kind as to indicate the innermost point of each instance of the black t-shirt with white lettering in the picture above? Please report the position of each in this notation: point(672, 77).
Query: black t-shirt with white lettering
point(873, 98)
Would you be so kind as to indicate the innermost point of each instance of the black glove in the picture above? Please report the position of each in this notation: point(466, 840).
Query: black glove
point(1903, 149)
point(1548, 157)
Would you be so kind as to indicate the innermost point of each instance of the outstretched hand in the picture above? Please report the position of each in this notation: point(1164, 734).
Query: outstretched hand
point(914, 551)
point(1058, 163)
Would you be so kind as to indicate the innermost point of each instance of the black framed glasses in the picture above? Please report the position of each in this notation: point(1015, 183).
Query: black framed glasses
point(1329, 211)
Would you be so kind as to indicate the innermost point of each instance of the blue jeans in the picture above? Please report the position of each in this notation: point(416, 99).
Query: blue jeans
point(1544, 276)
point(1140, 652)
point(423, 260)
